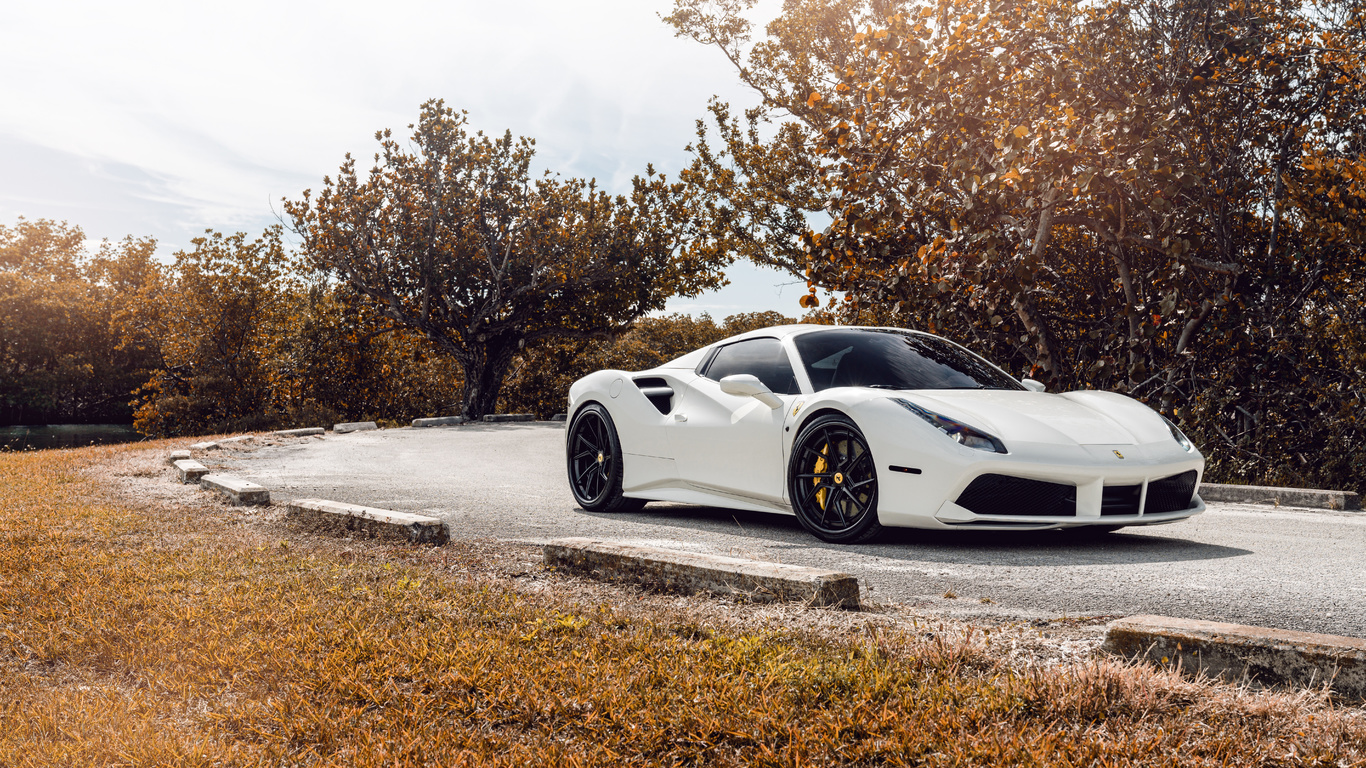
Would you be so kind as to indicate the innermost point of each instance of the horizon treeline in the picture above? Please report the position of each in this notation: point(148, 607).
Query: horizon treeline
point(235, 334)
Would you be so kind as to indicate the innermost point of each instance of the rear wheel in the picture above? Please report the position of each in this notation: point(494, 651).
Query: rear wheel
point(593, 455)
point(832, 481)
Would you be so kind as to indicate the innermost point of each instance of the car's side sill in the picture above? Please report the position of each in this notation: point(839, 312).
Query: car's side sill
point(689, 494)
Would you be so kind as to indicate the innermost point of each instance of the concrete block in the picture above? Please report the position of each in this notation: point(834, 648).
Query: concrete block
point(380, 523)
point(1237, 652)
point(1285, 497)
point(689, 573)
point(230, 440)
point(240, 492)
point(304, 432)
point(439, 421)
point(210, 446)
point(175, 456)
point(500, 418)
point(354, 426)
point(190, 471)
point(560, 417)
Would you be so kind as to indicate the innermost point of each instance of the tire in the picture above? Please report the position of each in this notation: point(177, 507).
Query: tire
point(832, 481)
point(594, 462)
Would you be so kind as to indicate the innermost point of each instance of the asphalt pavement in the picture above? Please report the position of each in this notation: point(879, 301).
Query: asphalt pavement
point(1275, 567)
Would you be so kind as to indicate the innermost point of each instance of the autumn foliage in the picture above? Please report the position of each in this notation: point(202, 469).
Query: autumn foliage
point(1158, 198)
point(62, 355)
point(228, 336)
point(453, 237)
point(246, 342)
point(414, 289)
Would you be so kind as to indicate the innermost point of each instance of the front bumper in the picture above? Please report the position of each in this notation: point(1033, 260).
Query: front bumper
point(1102, 485)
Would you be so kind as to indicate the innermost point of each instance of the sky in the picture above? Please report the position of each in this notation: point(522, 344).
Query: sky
point(163, 119)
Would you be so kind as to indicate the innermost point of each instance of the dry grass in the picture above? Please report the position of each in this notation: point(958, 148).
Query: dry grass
point(146, 634)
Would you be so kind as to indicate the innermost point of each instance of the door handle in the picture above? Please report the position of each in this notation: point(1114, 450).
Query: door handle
point(680, 417)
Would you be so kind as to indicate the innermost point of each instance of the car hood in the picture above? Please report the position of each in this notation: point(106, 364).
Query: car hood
point(1083, 418)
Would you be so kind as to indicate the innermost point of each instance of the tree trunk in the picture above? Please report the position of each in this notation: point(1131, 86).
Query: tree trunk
point(1044, 343)
point(1126, 281)
point(484, 368)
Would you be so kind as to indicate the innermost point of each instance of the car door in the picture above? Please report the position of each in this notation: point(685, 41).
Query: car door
point(733, 443)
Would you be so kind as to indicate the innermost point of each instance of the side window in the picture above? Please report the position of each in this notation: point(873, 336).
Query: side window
point(763, 358)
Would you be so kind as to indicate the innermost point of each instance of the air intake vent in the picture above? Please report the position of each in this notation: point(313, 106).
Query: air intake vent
point(1120, 500)
point(657, 391)
point(1004, 495)
point(1170, 494)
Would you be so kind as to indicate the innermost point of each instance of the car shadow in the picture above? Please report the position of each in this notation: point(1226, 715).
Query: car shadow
point(997, 548)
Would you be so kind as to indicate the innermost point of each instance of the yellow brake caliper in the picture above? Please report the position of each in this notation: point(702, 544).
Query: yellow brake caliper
point(820, 467)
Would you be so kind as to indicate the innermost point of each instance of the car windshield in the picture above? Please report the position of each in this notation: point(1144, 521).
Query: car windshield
point(892, 359)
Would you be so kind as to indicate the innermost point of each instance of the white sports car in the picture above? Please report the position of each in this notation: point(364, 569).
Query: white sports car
point(853, 429)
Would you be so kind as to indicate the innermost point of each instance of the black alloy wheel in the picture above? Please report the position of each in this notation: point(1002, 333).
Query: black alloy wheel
point(594, 459)
point(832, 481)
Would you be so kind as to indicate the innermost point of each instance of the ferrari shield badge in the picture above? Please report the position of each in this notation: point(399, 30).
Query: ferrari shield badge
point(796, 407)
point(1118, 454)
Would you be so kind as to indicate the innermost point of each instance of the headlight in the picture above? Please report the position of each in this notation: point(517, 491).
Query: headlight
point(972, 438)
point(1178, 435)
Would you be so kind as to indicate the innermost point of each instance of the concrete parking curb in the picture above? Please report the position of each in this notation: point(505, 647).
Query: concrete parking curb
point(303, 432)
point(190, 471)
point(175, 456)
point(1237, 652)
point(354, 426)
point(1312, 498)
point(440, 421)
point(240, 492)
point(208, 446)
point(689, 573)
point(380, 523)
point(500, 418)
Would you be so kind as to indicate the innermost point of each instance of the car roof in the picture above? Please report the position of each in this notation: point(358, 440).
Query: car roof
point(691, 359)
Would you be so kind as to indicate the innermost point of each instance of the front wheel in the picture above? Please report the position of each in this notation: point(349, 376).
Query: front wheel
point(832, 481)
point(593, 455)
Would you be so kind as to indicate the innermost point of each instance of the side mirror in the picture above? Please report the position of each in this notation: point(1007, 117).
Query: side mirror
point(1033, 385)
point(746, 384)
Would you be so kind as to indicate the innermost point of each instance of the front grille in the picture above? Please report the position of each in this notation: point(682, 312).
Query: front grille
point(1120, 499)
point(1004, 495)
point(1170, 494)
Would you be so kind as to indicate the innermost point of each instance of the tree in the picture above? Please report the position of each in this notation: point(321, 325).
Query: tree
point(1114, 195)
point(453, 238)
point(761, 179)
point(58, 358)
point(217, 311)
point(1147, 139)
point(338, 359)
